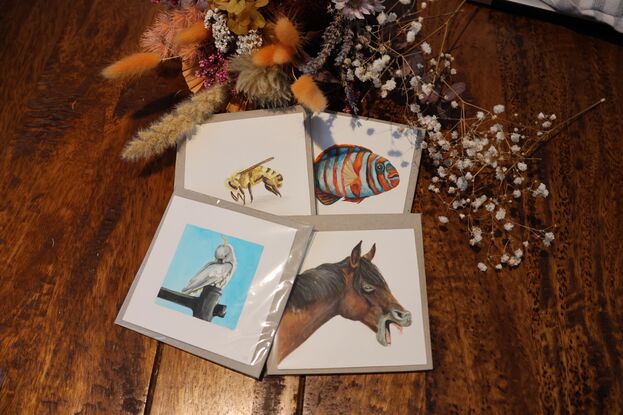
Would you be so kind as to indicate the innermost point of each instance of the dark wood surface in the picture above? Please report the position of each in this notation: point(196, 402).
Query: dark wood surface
point(75, 222)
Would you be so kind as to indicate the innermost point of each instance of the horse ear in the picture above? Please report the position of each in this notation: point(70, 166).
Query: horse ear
point(370, 253)
point(355, 255)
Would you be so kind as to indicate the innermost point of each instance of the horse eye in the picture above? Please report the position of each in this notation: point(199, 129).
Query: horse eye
point(367, 287)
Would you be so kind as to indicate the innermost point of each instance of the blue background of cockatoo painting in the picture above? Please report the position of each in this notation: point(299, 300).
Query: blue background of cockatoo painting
point(195, 249)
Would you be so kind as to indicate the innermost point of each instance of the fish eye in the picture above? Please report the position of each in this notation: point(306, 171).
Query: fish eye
point(367, 287)
point(380, 167)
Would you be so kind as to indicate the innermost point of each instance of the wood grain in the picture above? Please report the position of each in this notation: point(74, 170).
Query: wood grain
point(75, 222)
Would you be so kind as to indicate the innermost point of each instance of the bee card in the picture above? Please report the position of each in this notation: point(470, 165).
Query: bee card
point(257, 159)
point(359, 302)
point(362, 165)
point(215, 280)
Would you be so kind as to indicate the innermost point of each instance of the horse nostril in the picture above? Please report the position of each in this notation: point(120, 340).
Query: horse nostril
point(401, 315)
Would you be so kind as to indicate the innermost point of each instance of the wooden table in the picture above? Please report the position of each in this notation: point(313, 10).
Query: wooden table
point(75, 222)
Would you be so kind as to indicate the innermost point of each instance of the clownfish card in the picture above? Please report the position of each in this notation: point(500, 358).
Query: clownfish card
point(363, 165)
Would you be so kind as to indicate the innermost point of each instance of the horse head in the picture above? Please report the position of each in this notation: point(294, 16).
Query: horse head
point(367, 297)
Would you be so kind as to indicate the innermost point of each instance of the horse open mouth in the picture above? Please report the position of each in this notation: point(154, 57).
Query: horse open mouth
point(383, 332)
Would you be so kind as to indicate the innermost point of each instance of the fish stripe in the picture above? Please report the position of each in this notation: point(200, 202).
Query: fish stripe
point(320, 175)
point(325, 183)
point(335, 188)
point(329, 175)
point(383, 181)
point(372, 175)
point(365, 182)
point(348, 159)
point(357, 168)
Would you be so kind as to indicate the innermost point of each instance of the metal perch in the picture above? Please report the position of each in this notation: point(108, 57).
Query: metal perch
point(204, 307)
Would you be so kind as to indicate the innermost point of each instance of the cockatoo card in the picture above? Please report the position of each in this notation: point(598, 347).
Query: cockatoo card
point(215, 280)
point(362, 165)
point(257, 159)
point(359, 302)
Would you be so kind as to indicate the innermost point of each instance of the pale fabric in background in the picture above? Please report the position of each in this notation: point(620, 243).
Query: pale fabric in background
point(606, 11)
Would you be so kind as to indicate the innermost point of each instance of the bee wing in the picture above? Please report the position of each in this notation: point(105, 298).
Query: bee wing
point(255, 165)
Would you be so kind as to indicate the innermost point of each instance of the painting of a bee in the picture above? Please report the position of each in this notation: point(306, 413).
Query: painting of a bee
point(249, 177)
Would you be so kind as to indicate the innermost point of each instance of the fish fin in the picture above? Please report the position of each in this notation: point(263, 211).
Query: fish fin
point(350, 176)
point(355, 200)
point(356, 187)
point(326, 198)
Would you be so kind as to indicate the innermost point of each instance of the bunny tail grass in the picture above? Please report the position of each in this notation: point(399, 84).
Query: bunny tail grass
point(287, 33)
point(176, 125)
point(308, 94)
point(132, 65)
point(194, 34)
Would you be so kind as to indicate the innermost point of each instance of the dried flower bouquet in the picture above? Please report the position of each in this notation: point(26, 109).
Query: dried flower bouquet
point(239, 54)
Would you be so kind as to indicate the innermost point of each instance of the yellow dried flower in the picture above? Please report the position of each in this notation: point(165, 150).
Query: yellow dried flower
point(243, 15)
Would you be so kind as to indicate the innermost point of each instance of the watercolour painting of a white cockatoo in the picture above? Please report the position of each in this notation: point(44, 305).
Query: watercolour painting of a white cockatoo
point(216, 273)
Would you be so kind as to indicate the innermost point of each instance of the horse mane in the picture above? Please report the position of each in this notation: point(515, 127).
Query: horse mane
point(327, 280)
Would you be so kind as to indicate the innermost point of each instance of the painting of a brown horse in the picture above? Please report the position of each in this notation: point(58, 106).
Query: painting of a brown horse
point(352, 288)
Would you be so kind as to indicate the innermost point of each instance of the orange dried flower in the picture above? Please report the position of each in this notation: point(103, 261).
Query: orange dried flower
point(308, 94)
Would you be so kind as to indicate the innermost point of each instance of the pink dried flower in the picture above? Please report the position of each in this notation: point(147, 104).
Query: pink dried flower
point(212, 67)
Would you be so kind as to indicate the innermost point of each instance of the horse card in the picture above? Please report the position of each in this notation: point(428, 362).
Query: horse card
point(363, 166)
point(359, 302)
point(258, 159)
point(215, 280)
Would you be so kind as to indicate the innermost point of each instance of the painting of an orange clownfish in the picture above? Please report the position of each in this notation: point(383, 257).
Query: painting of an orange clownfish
point(352, 173)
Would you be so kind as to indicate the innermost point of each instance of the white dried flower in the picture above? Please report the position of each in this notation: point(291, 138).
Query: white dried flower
point(500, 214)
point(222, 36)
point(504, 258)
point(416, 27)
point(498, 109)
point(541, 191)
point(498, 267)
point(476, 236)
point(490, 207)
point(482, 267)
point(518, 180)
point(480, 115)
point(522, 166)
point(443, 219)
point(425, 46)
point(548, 238)
point(518, 253)
point(541, 116)
point(246, 44)
point(516, 194)
point(478, 202)
point(454, 104)
point(405, 1)
point(508, 226)
point(389, 85)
